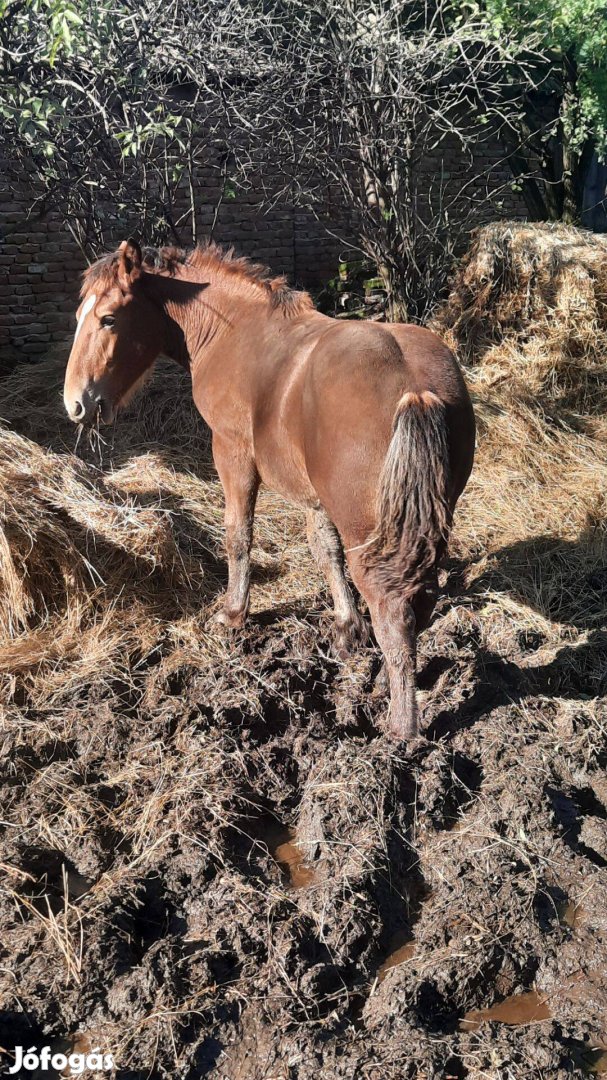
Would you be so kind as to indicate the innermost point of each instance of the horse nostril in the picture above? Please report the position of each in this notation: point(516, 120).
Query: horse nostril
point(78, 410)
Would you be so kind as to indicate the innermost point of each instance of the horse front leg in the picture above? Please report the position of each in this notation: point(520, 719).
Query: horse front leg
point(240, 482)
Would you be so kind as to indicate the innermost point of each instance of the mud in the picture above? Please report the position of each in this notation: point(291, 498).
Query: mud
point(527, 1008)
point(233, 874)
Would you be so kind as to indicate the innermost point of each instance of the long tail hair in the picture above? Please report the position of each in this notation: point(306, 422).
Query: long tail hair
point(413, 516)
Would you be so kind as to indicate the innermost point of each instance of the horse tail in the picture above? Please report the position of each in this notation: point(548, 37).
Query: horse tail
point(413, 516)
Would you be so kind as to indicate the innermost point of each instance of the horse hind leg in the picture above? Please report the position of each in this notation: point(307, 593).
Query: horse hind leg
point(327, 550)
point(395, 627)
point(394, 624)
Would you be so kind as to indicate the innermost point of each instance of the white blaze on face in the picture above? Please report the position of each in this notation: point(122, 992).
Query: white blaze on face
point(89, 304)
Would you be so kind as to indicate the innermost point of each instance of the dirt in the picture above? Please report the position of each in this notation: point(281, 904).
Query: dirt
point(233, 890)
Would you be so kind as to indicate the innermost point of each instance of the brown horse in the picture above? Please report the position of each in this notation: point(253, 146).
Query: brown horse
point(369, 427)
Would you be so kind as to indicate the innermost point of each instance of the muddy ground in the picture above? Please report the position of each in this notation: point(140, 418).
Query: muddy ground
point(152, 907)
point(213, 863)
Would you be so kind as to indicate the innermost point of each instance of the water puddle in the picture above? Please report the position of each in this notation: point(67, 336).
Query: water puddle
point(597, 1061)
point(291, 860)
point(80, 1043)
point(77, 885)
point(402, 948)
point(571, 914)
point(589, 1060)
point(527, 1008)
point(281, 842)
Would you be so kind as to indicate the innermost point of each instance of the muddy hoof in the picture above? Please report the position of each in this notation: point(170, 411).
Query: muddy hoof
point(403, 734)
point(417, 744)
point(348, 634)
point(230, 620)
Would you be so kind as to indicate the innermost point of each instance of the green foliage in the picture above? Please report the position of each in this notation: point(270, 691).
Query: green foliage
point(86, 109)
point(111, 105)
point(73, 46)
point(57, 23)
point(573, 37)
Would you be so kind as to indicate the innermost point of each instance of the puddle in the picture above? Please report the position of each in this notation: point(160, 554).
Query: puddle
point(266, 832)
point(402, 948)
point(590, 1061)
point(281, 842)
point(532, 1007)
point(291, 860)
point(597, 1061)
point(80, 1043)
point(571, 914)
point(77, 885)
point(527, 1008)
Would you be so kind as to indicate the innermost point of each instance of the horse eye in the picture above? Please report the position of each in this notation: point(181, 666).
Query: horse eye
point(108, 320)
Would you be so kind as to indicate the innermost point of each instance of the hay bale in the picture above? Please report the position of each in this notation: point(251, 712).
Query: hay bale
point(527, 315)
point(529, 307)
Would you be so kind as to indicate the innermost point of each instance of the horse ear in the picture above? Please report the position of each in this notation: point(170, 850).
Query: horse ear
point(129, 264)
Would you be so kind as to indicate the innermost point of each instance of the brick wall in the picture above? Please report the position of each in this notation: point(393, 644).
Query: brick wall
point(39, 266)
point(40, 263)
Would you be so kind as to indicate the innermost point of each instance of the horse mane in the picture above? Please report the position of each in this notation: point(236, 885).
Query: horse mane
point(207, 256)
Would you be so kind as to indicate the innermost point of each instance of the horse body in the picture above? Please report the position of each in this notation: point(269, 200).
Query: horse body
point(368, 427)
point(265, 414)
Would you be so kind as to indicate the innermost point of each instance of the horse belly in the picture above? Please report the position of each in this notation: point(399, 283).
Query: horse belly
point(281, 466)
point(278, 439)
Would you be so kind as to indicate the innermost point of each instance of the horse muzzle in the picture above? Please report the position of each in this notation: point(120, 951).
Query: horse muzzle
point(89, 407)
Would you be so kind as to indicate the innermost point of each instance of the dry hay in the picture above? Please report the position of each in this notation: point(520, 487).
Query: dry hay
point(153, 773)
point(527, 315)
point(108, 554)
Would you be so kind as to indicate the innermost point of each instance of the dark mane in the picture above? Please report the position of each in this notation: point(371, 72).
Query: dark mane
point(168, 260)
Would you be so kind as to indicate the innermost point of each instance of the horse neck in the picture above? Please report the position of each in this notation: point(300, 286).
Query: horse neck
point(200, 314)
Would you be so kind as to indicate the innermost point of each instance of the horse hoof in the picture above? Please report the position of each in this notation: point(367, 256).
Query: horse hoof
point(400, 734)
point(230, 620)
point(411, 736)
point(348, 635)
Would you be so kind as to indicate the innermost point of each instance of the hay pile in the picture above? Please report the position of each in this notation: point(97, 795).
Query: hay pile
point(527, 315)
point(115, 551)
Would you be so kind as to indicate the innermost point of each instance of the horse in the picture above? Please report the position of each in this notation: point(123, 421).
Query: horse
point(367, 426)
